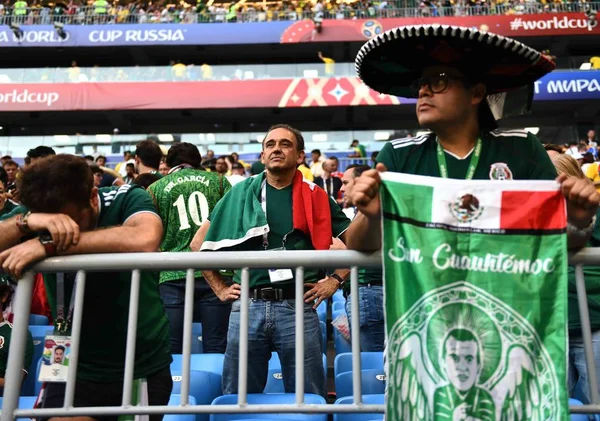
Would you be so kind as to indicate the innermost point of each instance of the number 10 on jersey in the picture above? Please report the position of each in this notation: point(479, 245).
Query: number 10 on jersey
point(197, 209)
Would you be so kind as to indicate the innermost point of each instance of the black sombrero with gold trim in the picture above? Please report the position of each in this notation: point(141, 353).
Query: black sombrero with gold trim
point(390, 62)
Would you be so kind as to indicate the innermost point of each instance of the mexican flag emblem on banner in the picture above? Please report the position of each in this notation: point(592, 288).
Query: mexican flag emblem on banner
point(475, 299)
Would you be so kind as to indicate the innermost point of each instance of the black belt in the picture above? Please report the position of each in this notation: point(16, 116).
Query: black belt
point(269, 293)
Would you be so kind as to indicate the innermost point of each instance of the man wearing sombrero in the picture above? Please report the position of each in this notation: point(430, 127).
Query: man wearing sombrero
point(464, 79)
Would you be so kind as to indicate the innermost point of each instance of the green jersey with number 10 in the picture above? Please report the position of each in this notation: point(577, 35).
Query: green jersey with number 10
point(185, 200)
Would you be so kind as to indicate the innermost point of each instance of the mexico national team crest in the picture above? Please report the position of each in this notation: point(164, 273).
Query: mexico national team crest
point(500, 171)
point(460, 353)
point(1, 342)
point(466, 208)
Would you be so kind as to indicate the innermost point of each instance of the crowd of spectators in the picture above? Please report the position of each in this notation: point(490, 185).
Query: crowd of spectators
point(104, 12)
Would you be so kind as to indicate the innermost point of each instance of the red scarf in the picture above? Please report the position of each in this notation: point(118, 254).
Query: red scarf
point(313, 217)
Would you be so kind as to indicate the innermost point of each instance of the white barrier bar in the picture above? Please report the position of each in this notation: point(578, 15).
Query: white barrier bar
point(299, 306)
point(16, 352)
point(188, 320)
point(355, 337)
point(134, 301)
point(75, 337)
point(243, 349)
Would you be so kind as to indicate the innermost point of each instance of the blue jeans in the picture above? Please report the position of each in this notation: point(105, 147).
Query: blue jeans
point(208, 310)
point(272, 328)
point(372, 327)
point(577, 368)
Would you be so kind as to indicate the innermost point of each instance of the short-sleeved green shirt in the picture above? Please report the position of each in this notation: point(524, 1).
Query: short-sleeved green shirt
point(521, 152)
point(185, 199)
point(8, 208)
point(106, 304)
point(14, 212)
point(280, 220)
point(591, 275)
point(5, 336)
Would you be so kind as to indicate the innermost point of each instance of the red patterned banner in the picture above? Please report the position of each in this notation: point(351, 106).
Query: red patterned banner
point(549, 24)
point(321, 92)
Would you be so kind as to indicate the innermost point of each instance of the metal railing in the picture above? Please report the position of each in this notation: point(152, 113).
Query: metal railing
point(137, 262)
point(87, 15)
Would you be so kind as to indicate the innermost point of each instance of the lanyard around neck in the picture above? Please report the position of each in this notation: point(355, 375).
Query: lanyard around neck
point(472, 164)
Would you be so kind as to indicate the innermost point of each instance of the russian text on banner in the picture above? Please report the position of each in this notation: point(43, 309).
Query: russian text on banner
point(475, 298)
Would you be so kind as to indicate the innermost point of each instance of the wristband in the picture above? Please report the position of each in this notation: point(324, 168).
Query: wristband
point(339, 279)
point(48, 243)
point(22, 223)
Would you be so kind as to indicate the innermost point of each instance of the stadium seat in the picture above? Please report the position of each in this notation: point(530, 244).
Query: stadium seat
point(339, 296)
point(272, 399)
point(175, 400)
point(212, 363)
point(204, 388)
point(368, 400)
point(579, 417)
point(323, 337)
point(197, 338)
point(38, 320)
point(25, 402)
point(373, 382)
point(38, 334)
point(322, 312)
point(338, 305)
point(369, 361)
point(275, 377)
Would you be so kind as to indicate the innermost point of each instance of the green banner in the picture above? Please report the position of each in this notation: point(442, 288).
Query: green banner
point(475, 299)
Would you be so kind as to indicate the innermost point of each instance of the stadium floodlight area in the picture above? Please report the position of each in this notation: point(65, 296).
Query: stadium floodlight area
point(136, 262)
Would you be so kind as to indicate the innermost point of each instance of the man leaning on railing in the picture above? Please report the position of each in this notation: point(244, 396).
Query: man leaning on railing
point(68, 215)
point(275, 210)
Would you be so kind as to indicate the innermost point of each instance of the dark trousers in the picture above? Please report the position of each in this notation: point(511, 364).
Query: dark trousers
point(208, 310)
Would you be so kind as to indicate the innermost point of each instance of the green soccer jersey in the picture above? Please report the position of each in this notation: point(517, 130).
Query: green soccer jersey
point(280, 220)
point(510, 154)
point(106, 304)
point(8, 208)
point(591, 275)
point(184, 200)
point(5, 335)
point(20, 209)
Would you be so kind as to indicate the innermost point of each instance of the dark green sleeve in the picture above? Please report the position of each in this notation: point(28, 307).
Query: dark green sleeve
point(387, 157)
point(137, 200)
point(541, 167)
point(28, 354)
point(339, 220)
point(16, 211)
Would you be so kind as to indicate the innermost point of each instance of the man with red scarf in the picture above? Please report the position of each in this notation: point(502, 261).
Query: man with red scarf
point(275, 210)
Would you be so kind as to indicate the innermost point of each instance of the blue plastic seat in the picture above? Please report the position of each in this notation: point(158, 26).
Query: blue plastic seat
point(38, 320)
point(367, 399)
point(338, 296)
point(197, 338)
point(275, 375)
point(200, 362)
point(373, 383)
point(369, 361)
point(38, 333)
point(175, 400)
point(269, 399)
point(323, 337)
point(322, 312)
point(25, 402)
point(338, 305)
point(204, 388)
point(578, 417)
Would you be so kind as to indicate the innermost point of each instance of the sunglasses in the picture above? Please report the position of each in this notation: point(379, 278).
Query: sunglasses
point(436, 83)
